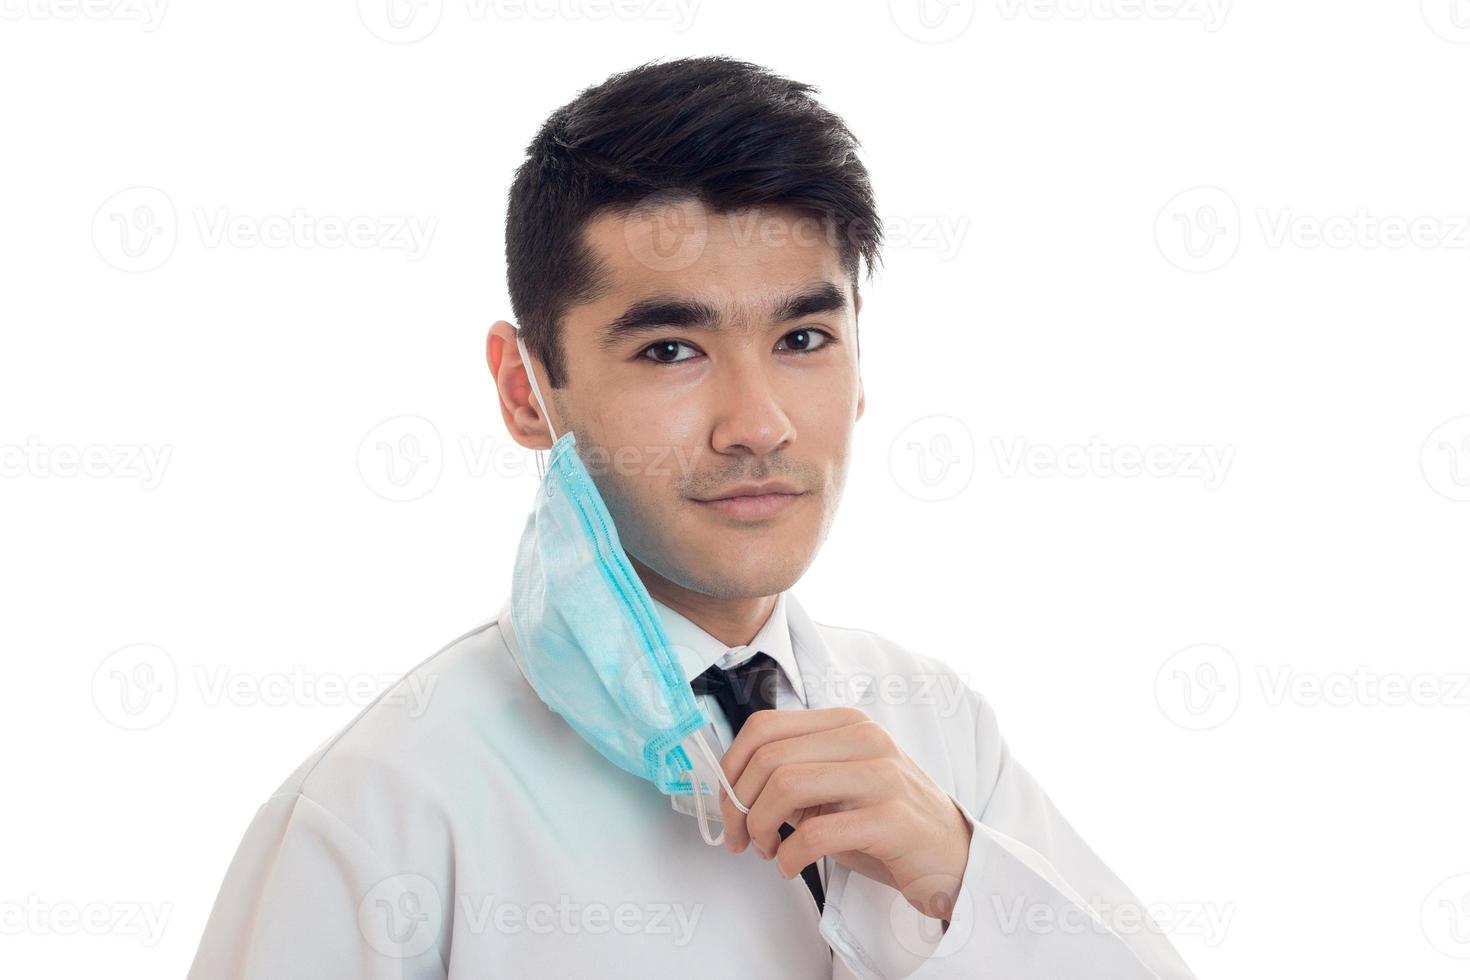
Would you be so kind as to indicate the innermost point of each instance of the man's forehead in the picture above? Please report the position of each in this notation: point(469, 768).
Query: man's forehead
point(748, 265)
point(685, 236)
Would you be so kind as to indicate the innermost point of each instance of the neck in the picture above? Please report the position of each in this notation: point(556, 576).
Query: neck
point(734, 622)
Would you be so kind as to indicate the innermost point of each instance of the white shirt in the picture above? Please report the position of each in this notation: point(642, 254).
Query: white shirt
point(458, 829)
point(697, 650)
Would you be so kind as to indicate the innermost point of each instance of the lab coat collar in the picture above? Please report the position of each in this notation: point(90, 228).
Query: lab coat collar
point(826, 685)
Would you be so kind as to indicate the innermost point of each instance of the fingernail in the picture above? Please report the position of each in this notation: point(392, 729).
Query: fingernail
point(762, 852)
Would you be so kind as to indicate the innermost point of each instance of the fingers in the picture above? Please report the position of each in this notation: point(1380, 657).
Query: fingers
point(770, 725)
point(830, 833)
point(865, 740)
point(793, 788)
point(760, 729)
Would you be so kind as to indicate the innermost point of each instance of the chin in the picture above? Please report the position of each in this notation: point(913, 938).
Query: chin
point(733, 570)
point(727, 560)
point(749, 587)
point(748, 569)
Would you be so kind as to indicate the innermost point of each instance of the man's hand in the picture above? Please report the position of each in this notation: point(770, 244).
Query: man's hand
point(838, 777)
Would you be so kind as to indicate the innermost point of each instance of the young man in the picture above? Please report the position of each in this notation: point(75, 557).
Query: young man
point(684, 246)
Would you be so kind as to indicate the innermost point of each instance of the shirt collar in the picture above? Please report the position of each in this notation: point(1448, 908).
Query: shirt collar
point(698, 650)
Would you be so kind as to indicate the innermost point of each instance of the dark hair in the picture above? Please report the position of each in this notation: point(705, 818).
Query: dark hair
point(727, 133)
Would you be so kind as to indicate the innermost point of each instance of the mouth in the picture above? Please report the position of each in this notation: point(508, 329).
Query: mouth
point(754, 502)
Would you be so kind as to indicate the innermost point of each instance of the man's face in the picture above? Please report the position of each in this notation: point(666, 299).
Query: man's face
point(722, 356)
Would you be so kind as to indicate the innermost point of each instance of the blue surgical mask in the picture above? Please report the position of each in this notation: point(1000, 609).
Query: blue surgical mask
point(592, 644)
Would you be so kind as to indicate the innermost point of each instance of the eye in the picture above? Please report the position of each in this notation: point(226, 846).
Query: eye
point(807, 339)
point(665, 351)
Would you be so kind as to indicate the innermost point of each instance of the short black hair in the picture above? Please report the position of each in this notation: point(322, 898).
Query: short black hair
point(727, 133)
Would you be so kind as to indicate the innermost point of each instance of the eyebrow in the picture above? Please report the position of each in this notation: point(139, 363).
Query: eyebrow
point(663, 312)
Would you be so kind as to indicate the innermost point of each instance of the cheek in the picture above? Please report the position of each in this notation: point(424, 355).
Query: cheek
point(639, 480)
point(830, 403)
point(648, 432)
point(825, 430)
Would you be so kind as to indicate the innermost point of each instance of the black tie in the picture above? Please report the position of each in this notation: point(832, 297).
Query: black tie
point(742, 691)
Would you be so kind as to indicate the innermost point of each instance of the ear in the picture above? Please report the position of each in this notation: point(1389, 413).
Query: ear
point(862, 399)
point(523, 419)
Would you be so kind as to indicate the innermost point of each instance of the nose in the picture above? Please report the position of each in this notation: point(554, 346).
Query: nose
point(750, 419)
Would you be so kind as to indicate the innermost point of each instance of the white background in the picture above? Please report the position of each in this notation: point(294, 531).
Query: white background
point(1199, 664)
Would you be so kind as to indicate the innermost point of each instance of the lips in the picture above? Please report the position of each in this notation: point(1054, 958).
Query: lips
point(754, 501)
point(756, 490)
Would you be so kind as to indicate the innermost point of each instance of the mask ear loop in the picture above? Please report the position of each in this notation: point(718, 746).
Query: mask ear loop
point(697, 785)
point(711, 839)
point(540, 402)
point(714, 764)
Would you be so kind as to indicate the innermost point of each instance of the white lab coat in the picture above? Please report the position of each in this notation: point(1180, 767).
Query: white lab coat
point(458, 829)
